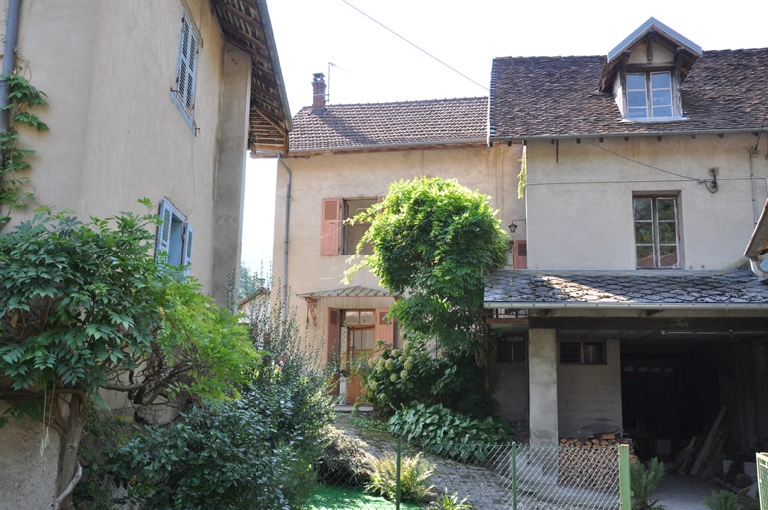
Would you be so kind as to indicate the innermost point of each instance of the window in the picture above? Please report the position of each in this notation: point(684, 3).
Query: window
point(649, 95)
point(183, 93)
point(174, 237)
point(339, 237)
point(578, 352)
point(511, 349)
point(656, 231)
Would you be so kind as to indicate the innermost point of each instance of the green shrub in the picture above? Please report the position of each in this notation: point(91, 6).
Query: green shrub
point(445, 432)
point(722, 500)
point(415, 473)
point(344, 461)
point(643, 481)
point(447, 501)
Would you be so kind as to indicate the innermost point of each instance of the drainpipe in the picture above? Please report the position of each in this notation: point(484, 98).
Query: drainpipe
point(287, 230)
point(9, 57)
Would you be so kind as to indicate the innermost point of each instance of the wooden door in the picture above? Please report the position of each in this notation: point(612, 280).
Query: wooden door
point(360, 343)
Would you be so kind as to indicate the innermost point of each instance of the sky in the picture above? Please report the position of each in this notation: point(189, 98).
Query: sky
point(369, 64)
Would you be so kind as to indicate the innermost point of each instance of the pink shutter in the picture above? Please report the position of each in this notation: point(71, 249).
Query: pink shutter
point(329, 240)
point(384, 329)
point(332, 345)
point(521, 254)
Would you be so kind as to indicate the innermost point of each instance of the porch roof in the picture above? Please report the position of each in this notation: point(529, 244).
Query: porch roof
point(350, 291)
point(645, 289)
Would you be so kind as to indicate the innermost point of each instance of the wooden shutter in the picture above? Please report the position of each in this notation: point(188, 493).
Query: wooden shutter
point(329, 240)
point(384, 329)
point(332, 336)
point(185, 78)
point(186, 253)
point(164, 230)
point(521, 254)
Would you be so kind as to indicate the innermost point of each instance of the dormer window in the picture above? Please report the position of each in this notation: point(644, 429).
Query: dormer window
point(649, 95)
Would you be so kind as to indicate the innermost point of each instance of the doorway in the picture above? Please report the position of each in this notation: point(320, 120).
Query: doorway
point(359, 343)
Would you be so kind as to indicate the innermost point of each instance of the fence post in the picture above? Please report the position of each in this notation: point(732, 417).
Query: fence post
point(625, 489)
point(762, 478)
point(514, 476)
point(397, 483)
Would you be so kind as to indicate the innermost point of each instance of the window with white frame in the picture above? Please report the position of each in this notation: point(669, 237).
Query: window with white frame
point(174, 237)
point(656, 231)
point(649, 95)
point(183, 94)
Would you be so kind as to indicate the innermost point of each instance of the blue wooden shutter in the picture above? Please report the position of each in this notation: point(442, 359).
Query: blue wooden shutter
point(186, 66)
point(186, 255)
point(164, 230)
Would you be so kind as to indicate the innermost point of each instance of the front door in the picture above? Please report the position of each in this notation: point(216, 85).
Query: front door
point(360, 343)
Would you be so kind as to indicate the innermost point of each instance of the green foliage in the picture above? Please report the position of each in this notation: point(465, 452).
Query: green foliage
point(22, 97)
point(251, 281)
point(445, 432)
point(447, 501)
point(644, 479)
point(411, 375)
point(415, 473)
point(434, 242)
point(344, 461)
point(331, 497)
point(522, 176)
point(722, 500)
point(369, 423)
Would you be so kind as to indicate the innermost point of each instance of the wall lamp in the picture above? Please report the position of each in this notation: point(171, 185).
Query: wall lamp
point(513, 226)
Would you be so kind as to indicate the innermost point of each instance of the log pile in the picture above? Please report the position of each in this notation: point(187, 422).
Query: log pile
point(589, 464)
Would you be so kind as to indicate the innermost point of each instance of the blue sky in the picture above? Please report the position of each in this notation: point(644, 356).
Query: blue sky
point(373, 65)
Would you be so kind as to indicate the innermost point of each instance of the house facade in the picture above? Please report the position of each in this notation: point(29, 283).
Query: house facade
point(646, 173)
point(145, 99)
point(342, 159)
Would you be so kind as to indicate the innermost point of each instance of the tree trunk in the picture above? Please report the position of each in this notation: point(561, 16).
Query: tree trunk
point(70, 442)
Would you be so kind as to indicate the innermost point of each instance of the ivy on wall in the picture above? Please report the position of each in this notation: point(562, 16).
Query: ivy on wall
point(22, 97)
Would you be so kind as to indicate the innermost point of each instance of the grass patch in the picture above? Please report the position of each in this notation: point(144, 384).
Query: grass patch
point(368, 423)
point(331, 497)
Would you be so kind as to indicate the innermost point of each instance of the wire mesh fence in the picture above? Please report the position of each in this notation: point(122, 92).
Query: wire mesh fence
point(762, 479)
point(494, 477)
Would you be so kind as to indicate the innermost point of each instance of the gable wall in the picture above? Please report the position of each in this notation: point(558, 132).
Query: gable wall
point(579, 203)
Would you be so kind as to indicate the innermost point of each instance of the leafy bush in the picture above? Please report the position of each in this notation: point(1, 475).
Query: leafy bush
point(448, 501)
point(415, 473)
point(445, 432)
point(643, 482)
point(344, 461)
point(722, 500)
point(411, 375)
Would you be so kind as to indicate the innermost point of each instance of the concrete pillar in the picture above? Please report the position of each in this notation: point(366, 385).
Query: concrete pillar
point(230, 170)
point(542, 370)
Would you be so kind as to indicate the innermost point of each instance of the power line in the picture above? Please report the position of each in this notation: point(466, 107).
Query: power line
point(641, 163)
point(417, 47)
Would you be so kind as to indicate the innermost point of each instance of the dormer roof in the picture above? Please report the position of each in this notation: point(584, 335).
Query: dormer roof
point(657, 27)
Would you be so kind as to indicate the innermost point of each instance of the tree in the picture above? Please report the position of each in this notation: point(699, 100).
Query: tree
point(434, 242)
point(84, 307)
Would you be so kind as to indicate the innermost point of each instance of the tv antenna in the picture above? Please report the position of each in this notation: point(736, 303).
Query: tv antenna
point(328, 87)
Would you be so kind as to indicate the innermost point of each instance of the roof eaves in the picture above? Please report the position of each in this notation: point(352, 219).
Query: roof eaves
point(646, 27)
point(384, 146)
point(621, 134)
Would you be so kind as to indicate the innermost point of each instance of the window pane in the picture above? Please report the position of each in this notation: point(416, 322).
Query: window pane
point(667, 232)
point(366, 317)
point(635, 81)
point(635, 113)
point(367, 336)
point(668, 256)
point(357, 338)
point(636, 98)
point(662, 111)
point(594, 352)
point(666, 209)
point(644, 256)
point(662, 97)
point(570, 352)
point(642, 209)
point(660, 81)
point(351, 317)
point(643, 232)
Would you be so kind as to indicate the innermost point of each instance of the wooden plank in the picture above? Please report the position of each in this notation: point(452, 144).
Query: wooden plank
point(708, 442)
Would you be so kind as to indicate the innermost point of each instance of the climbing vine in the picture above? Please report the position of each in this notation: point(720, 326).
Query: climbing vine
point(22, 97)
point(522, 177)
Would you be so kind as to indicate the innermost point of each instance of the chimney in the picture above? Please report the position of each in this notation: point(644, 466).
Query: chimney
point(318, 93)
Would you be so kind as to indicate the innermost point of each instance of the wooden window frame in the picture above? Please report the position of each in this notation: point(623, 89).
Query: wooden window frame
point(518, 345)
point(648, 91)
point(584, 359)
point(656, 243)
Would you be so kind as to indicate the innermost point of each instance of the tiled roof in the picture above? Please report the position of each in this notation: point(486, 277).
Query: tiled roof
point(623, 289)
point(547, 97)
point(351, 126)
point(351, 291)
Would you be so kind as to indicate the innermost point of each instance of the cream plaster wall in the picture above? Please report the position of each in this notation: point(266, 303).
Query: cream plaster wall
point(115, 134)
point(579, 202)
point(490, 170)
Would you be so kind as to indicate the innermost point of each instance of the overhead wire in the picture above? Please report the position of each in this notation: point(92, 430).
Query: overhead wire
point(417, 46)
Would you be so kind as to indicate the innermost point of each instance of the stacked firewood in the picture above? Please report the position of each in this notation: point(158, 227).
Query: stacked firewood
point(589, 464)
point(596, 441)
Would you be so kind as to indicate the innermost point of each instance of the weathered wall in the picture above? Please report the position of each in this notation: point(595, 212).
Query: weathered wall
point(589, 396)
point(510, 390)
point(491, 171)
point(115, 134)
point(579, 198)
